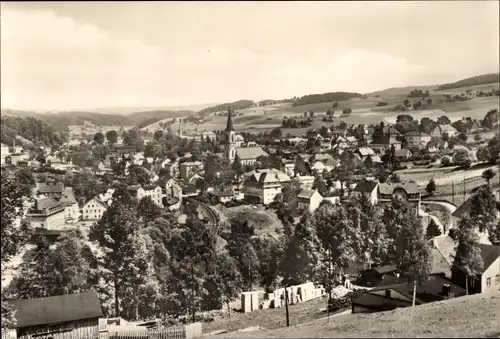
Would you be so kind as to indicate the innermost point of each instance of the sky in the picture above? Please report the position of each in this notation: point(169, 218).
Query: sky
point(70, 55)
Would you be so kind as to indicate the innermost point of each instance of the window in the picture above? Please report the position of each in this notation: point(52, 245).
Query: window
point(497, 279)
point(488, 282)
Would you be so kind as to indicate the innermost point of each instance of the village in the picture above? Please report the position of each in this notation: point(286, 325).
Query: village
point(256, 182)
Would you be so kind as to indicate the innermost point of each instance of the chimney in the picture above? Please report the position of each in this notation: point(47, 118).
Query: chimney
point(446, 290)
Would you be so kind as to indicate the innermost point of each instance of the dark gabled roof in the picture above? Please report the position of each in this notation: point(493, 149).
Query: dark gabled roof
point(378, 302)
point(385, 269)
point(58, 309)
point(46, 203)
point(489, 253)
point(384, 140)
point(365, 186)
point(428, 291)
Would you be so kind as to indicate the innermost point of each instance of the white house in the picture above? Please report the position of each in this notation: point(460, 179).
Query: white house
point(94, 209)
point(264, 184)
point(152, 191)
point(309, 200)
point(417, 138)
point(367, 187)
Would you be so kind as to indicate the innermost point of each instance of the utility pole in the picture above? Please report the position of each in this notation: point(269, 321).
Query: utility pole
point(286, 307)
point(464, 189)
point(453, 191)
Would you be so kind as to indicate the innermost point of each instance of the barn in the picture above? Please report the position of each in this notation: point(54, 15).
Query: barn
point(74, 316)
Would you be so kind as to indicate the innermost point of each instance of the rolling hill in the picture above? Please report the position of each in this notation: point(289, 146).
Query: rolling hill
point(473, 81)
point(61, 120)
point(471, 316)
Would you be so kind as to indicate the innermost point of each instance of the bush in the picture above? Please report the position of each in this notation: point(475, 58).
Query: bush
point(335, 305)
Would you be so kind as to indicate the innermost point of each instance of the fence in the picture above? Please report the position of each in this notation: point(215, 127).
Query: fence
point(174, 332)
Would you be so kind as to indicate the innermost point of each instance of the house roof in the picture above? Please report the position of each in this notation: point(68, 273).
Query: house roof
point(50, 188)
point(416, 134)
point(384, 140)
point(404, 152)
point(46, 203)
point(489, 253)
point(448, 128)
point(365, 186)
point(391, 130)
point(306, 194)
point(267, 175)
point(385, 269)
point(428, 291)
point(439, 264)
point(245, 153)
point(410, 187)
point(58, 309)
point(379, 302)
point(365, 151)
point(376, 159)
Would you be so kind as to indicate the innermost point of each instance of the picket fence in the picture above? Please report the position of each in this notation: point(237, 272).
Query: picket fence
point(175, 332)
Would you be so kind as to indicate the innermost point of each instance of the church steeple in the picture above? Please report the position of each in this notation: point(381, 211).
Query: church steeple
point(229, 126)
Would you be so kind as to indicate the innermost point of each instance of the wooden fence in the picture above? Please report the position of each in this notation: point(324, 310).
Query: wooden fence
point(176, 332)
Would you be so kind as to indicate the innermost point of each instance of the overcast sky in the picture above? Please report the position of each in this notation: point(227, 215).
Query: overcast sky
point(87, 55)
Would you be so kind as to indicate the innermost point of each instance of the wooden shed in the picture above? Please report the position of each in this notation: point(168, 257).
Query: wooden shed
point(74, 316)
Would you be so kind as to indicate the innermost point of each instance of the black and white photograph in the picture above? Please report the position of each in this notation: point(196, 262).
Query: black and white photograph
point(250, 169)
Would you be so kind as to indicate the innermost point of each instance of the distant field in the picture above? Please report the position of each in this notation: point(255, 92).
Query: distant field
point(466, 317)
point(364, 111)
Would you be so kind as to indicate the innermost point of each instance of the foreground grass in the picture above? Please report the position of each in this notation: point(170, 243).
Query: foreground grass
point(270, 318)
point(471, 316)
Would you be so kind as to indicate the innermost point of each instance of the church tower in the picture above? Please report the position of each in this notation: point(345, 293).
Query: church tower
point(230, 151)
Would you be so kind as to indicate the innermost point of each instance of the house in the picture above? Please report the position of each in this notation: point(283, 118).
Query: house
point(368, 187)
point(400, 294)
point(54, 190)
point(94, 209)
point(402, 154)
point(375, 275)
point(305, 181)
point(47, 213)
point(353, 142)
point(15, 158)
point(249, 155)
point(467, 206)
point(188, 168)
point(488, 279)
point(209, 135)
point(438, 131)
point(4, 151)
point(264, 184)
point(118, 151)
point(53, 161)
point(73, 316)
point(152, 191)
point(225, 194)
point(392, 132)
point(327, 160)
point(190, 190)
point(408, 192)
point(71, 208)
point(417, 138)
point(318, 167)
point(172, 168)
point(364, 152)
point(383, 142)
point(173, 189)
point(309, 200)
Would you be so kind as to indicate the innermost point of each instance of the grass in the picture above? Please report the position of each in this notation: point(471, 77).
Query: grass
point(264, 221)
point(467, 317)
point(271, 318)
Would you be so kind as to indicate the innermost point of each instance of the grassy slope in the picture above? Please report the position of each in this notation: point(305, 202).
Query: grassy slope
point(471, 316)
point(364, 111)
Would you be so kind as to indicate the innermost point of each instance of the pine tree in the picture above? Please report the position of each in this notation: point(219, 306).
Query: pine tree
point(432, 230)
point(468, 255)
point(122, 257)
point(431, 187)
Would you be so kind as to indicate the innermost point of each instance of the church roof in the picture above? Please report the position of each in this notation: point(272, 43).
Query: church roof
point(229, 126)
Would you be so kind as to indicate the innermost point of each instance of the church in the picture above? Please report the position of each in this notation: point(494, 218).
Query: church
point(247, 155)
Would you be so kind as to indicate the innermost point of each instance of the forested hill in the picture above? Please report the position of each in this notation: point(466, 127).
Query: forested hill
point(325, 97)
point(241, 104)
point(31, 129)
point(473, 81)
point(61, 120)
